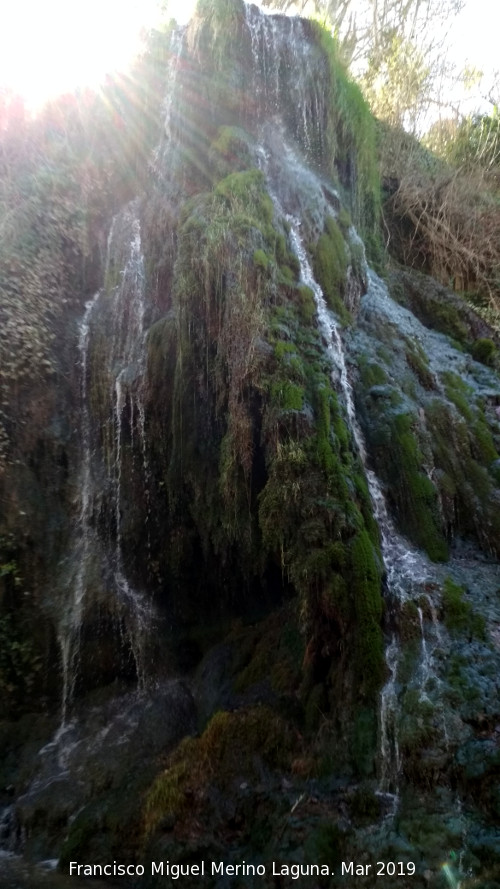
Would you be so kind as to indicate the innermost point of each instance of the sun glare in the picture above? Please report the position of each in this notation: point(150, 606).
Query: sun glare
point(52, 47)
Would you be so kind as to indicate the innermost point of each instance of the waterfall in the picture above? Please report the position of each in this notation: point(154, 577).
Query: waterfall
point(287, 76)
point(161, 163)
point(83, 536)
point(96, 559)
point(126, 370)
point(405, 566)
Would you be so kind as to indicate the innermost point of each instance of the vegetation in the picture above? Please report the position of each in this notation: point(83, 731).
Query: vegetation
point(330, 261)
point(244, 505)
point(459, 615)
point(61, 176)
point(233, 745)
point(351, 145)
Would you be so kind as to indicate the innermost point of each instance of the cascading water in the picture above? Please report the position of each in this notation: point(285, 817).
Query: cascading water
point(83, 537)
point(126, 365)
point(161, 162)
point(405, 567)
point(280, 50)
point(125, 371)
point(96, 560)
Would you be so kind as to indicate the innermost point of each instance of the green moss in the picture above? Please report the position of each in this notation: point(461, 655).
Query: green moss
point(81, 832)
point(459, 615)
point(326, 456)
point(261, 260)
point(351, 143)
point(289, 396)
point(371, 374)
point(324, 843)
point(419, 364)
point(463, 453)
point(432, 305)
point(306, 303)
point(366, 590)
point(230, 151)
point(409, 623)
point(220, 20)
point(271, 652)
point(287, 274)
point(485, 350)
point(330, 261)
point(364, 805)
point(21, 657)
point(457, 391)
point(412, 493)
point(246, 190)
point(460, 688)
point(232, 745)
point(483, 446)
point(344, 220)
point(417, 731)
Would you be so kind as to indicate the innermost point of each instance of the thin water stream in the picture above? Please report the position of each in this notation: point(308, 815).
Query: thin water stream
point(95, 561)
point(406, 568)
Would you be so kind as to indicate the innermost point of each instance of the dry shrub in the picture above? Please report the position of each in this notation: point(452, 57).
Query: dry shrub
point(455, 231)
point(443, 220)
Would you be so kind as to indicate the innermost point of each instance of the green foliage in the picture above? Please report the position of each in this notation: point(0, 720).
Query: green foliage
point(396, 80)
point(475, 142)
point(447, 224)
point(459, 615)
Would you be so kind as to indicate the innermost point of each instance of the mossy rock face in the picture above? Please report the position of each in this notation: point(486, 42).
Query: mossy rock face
point(234, 746)
point(230, 151)
point(440, 309)
point(459, 616)
point(330, 263)
point(400, 462)
point(428, 414)
point(464, 453)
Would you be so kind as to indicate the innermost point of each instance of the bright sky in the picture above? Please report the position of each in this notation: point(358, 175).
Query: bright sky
point(51, 46)
point(473, 39)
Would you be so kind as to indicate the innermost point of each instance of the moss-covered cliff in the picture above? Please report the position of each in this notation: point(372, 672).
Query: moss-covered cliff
point(251, 465)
